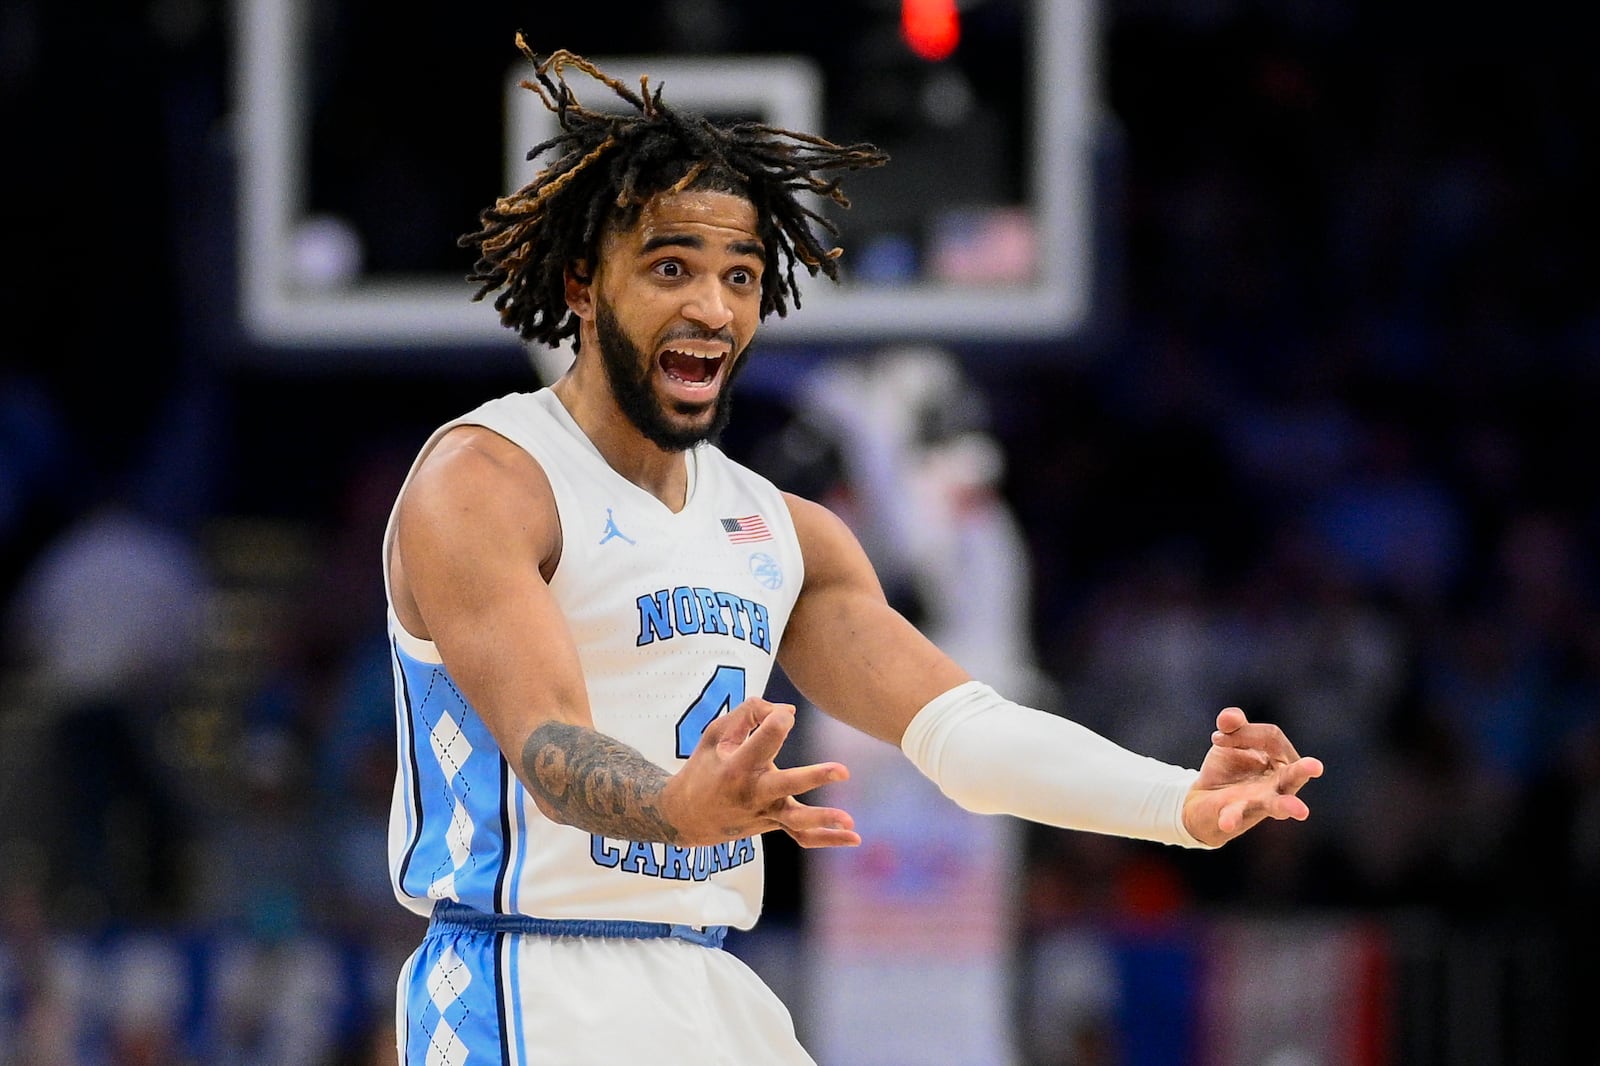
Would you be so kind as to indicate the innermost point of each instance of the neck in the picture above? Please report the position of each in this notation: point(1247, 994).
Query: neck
point(583, 391)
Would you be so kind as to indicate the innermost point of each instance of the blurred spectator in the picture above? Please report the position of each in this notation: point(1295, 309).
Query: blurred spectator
point(34, 468)
point(106, 622)
point(1390, 521)
point(42, 985)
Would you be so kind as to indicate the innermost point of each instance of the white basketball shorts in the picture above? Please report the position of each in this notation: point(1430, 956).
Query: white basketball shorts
point(481, 990)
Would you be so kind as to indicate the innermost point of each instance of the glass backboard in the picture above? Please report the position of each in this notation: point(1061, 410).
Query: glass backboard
point(364, 153)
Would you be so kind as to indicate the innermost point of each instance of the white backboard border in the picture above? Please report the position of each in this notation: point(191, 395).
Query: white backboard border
point(436, 311)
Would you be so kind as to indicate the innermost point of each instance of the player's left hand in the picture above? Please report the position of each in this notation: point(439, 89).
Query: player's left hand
point(1251, 773)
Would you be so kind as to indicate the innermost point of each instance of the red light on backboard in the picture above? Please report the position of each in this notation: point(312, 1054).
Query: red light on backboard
point(931, 27)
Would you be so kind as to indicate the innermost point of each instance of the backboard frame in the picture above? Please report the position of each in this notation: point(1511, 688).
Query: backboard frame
point(436, 311)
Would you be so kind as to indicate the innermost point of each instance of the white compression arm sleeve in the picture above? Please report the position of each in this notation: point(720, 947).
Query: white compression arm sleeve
point(992, 756)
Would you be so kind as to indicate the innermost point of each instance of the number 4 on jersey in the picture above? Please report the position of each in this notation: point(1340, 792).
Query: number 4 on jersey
point(723, 692)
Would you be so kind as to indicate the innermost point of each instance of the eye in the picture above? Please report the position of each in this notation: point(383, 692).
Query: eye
point(742, 276)
point(670, 268)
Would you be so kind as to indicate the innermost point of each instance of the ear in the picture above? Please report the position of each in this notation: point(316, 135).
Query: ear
point(579, 285)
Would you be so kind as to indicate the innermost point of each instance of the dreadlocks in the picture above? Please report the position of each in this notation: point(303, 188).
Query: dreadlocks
point(607, 166)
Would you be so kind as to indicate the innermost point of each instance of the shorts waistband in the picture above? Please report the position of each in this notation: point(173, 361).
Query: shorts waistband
point(451, 917)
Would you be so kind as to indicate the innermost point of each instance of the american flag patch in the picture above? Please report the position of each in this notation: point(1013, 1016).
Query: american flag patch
point(746, 529)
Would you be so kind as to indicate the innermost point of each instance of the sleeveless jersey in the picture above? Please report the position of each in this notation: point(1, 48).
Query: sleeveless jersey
point(676, 617)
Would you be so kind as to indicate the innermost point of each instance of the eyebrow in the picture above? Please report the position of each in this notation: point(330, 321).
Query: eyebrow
point(685, 240)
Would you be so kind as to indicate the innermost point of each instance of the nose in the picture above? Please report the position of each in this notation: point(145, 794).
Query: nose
point(707, 305)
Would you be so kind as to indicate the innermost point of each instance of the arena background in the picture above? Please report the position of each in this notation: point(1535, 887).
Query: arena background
point(1310, 432)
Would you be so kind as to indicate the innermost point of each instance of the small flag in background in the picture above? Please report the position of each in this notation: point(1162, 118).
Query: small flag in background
point(746, 529)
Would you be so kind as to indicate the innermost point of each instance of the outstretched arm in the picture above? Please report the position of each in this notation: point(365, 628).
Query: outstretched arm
point(476, 538)
point(862, 663)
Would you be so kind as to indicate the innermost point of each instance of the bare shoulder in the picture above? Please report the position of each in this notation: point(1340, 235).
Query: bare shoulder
point(470, 456)
point(811, 518)
point(474, 471)
point(476, 500)
point(832, 553)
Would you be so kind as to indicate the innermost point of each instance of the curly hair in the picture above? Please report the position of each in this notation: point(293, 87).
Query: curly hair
point(607, 166)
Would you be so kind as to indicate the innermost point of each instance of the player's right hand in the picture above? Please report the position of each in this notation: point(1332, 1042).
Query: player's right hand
point(731, 785)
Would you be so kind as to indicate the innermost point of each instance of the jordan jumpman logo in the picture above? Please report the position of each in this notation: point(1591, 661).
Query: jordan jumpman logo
point(611, 532)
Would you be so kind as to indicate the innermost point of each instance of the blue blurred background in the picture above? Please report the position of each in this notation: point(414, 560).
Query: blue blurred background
point(1324, 447)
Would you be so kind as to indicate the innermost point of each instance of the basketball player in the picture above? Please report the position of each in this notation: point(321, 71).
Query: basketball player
point(587, 599)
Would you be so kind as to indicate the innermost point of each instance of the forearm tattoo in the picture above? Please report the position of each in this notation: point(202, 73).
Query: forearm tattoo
point(596, 784)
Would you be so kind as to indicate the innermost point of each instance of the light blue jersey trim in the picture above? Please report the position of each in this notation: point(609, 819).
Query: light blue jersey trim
point(457, 778)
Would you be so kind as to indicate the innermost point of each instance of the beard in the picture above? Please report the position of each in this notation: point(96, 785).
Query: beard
point(629, 372)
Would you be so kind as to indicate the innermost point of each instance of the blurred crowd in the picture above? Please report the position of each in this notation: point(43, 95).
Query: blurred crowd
point(1327, 455)
point(1336, 468)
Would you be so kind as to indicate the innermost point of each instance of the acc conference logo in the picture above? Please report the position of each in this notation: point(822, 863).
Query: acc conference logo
point(765, 569)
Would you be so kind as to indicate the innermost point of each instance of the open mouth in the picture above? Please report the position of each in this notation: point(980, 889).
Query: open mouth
point(694, 369)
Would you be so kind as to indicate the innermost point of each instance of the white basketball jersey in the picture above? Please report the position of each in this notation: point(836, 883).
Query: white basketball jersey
point(677, 617)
